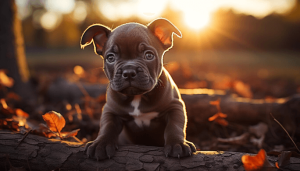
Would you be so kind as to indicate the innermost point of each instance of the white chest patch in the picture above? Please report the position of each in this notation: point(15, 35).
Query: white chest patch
point(141, 118)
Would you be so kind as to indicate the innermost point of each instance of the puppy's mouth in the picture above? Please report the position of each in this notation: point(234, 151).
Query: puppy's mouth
point(130, 87)
point(140, 85)
point(132, 91)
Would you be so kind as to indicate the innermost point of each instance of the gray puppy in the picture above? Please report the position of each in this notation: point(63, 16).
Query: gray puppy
point(143, 104)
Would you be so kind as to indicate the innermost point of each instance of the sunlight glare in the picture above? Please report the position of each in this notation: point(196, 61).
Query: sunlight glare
point(258, 8)
point(196, 13)
point(196, 20)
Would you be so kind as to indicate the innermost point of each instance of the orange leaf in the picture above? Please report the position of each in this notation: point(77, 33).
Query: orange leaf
point(222, 122)
point(3, 103)
point(5, 80)
point(256, 162)
point(217, 116)
point(70, 134)
point(276, 164)
point(20, 112)
point(14, 96)
point(55, 121)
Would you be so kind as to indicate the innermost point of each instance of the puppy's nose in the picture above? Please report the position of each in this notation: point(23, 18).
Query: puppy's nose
point(129, 74)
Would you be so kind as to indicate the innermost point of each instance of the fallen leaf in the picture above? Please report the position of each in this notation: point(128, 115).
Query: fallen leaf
point(70, 134)
point(242, 89)
point(221, 121)
point(43, 130)
point(5, 80)
point(14, 96)
point(217, 115)
point(256, 162)
point(284, 159)
point(3, 103)
point(20, 112)
point(55, 121)
point(9, 124)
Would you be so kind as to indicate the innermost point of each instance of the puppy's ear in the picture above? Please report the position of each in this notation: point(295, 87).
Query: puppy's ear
point(96, 33)
point(163, 29)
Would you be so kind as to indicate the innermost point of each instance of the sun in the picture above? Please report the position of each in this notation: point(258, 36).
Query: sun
point(196, 20)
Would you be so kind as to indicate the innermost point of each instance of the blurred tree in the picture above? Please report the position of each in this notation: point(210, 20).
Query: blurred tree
point(12, 54)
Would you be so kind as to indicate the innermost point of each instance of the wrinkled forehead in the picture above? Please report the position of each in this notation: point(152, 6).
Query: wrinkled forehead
point(129, 36)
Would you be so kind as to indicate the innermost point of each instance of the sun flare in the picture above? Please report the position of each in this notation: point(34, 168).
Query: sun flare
point(196, 21)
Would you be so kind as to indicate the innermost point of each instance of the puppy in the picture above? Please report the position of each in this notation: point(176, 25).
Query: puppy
point(143, 104)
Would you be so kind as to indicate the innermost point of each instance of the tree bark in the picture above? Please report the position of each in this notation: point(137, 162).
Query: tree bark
point(39, 153)
point(12, 53)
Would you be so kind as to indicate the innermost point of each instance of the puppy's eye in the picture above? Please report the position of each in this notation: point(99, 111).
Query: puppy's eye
point(149, 55)
point(110, 58)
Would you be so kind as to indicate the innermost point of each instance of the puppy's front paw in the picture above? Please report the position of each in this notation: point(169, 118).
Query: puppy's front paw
point(100, 149)
point(179, 149)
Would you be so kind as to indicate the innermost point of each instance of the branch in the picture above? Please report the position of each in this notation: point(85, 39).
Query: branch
point(39, 153)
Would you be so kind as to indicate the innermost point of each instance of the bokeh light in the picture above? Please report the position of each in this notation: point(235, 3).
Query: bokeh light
point(196, 14)
point(61, 6)
point(80, 11)
point(49, 20)
point(78, 70)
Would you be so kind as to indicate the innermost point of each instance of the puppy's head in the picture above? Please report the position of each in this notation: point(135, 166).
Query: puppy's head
point(132, 53)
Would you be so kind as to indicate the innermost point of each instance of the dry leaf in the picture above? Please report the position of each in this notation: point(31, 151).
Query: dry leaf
point(219, 119)
point(283, 159)
point(14, 96)
point(3, 103)
point(43, 130)
point(20, 112)
point(55, 121)
point(9, 124)
point(5, 80)
point(70, 134)
point(256, 162)
point(242, 89)
point(217, 115)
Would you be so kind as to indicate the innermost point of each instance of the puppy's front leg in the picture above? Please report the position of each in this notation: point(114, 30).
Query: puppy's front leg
point(106, 143)
point(175, 143)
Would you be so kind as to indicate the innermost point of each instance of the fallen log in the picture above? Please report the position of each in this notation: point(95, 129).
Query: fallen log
point(39, 153)
point(199, 109)
point(239, 109)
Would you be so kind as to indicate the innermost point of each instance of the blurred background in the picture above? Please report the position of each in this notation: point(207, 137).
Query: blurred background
point(249, 47)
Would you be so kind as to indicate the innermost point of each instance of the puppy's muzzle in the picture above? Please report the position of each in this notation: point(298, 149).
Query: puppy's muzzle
point(132, 79)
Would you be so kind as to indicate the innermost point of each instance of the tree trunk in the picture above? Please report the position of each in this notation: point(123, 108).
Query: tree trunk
point(12, 54)
point(39, 153)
